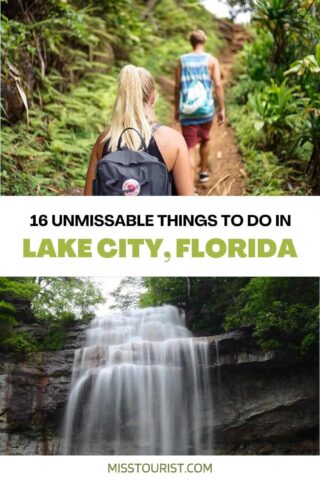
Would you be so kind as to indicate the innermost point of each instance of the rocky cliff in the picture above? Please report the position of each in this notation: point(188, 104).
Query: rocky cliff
point(33, 395)
point(263, 402)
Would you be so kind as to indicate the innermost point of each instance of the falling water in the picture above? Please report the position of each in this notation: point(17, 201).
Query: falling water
point(140, 386)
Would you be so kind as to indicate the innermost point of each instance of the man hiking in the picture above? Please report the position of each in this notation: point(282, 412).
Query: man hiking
point(194, 106)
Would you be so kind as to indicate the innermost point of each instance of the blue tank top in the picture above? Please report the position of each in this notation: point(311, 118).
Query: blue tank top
point(194, 66)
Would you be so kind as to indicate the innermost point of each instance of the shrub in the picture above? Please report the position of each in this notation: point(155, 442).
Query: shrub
point(283, 311)
point(279, 111)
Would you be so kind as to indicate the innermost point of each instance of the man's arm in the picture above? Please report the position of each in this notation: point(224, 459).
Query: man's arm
point(177, 92)
point(218, 87)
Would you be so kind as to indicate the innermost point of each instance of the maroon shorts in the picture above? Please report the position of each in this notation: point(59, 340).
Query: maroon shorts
point(194, 134)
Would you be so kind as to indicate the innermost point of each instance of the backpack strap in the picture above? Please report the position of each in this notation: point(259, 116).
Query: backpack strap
point(143, 143)
point(155, 127)
point(105, 148)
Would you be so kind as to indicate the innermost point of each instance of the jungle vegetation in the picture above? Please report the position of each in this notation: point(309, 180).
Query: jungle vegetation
point(60, 60)
point(274, 104)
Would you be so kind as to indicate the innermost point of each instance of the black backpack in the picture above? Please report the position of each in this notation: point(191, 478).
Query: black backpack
point(129, 172)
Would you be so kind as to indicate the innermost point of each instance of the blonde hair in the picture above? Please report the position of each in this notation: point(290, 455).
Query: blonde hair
point(136, 85)
point(197, 37)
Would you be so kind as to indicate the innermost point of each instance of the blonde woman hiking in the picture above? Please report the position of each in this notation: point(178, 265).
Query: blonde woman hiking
point(196, 73)
point(135, 155)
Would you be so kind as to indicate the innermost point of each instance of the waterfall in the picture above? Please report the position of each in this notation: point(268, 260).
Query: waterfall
point(140, 386)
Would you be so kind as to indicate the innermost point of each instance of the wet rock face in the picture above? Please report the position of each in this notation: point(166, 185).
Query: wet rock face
point(263, 403)
point(33, 394)
point(264, 407)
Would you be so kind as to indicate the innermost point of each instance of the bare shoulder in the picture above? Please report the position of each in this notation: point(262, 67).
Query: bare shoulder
point(213, 61)
point(168, 136)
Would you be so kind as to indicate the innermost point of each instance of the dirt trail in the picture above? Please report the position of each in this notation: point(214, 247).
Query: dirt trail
point(227, 171)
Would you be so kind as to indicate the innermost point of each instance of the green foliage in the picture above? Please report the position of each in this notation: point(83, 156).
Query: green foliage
point(165, 290)
point(279, 128)
point(125, 20)
point(238, 6)
point(163, 108)
point(61, 61)
point(23, 288)
point(252, 68)
point(205, 300)
point(127, 295)
point(54, 340)
point(288, 21)
point(56, 332)
point(7, 318)
point(66, 299)
point(307, 71)
point(19, 343)
point(59, 29)
point(56, 303)
point(63, 302)
point(173, 21)
point(266, 175)
point(283, 311)
point(43, 58)
point(279, 112)
point(48, 47)
point(14, 292)
point(53, 155)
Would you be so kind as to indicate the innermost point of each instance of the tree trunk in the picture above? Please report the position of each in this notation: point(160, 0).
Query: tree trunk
point(314, 165)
